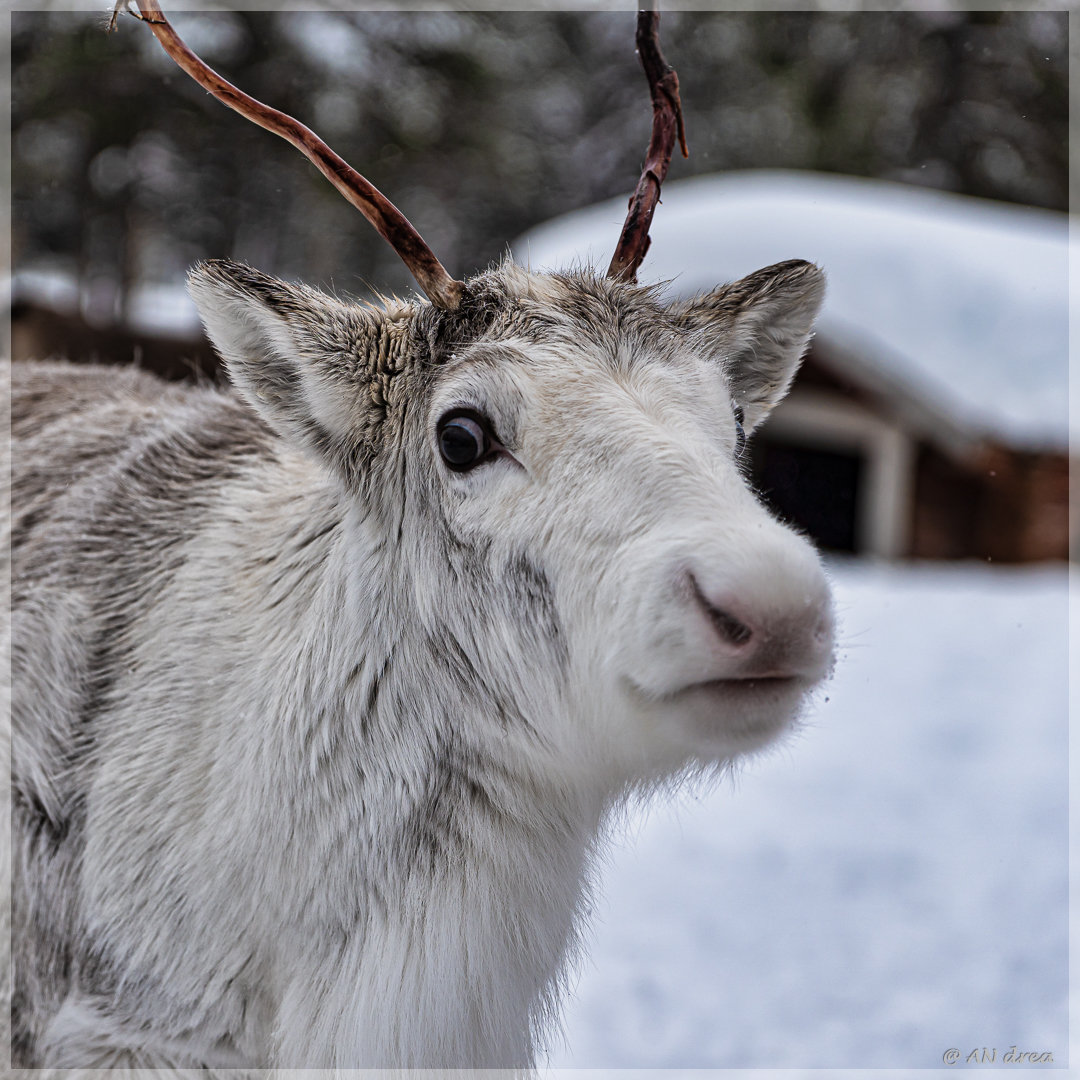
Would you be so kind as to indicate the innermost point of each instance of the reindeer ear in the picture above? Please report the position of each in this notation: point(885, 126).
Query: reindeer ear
point(758, 329)
point(305, 362)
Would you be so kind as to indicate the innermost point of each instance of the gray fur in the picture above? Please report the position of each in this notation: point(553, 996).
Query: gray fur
point(313, 739)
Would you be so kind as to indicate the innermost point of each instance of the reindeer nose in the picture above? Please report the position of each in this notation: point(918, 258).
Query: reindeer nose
point(786, 639)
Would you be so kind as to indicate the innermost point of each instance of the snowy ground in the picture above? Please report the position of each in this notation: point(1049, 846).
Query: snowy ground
point(890, 885)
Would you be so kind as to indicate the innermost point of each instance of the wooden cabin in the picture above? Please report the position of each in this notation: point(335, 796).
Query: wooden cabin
point(870, 470)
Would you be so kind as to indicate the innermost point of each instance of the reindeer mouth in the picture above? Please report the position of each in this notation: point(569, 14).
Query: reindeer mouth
point(731, 688)
point(754, 708)
point(748, 687)
point(738, 688)
point(742, 714)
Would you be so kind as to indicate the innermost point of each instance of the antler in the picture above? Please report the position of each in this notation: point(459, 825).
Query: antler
point(441, 289)
point(667, 123)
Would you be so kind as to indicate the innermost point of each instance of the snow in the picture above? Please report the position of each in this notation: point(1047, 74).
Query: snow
point(889, 884)
point(56, 291)
point(965, 299)
point(163, 310)
point(155, 310)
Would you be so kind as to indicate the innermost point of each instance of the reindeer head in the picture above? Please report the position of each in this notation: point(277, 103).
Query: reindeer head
point(557, 469)
point(555, 463)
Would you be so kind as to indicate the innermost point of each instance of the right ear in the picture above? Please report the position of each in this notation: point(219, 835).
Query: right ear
point(314, 368)
point(757, 329)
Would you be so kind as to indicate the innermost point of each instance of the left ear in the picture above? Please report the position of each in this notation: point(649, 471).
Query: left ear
point(758, 329)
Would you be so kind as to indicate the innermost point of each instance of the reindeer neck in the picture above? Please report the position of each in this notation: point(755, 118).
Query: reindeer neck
point(433, 842)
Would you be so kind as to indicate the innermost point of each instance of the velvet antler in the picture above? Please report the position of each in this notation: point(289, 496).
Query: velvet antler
point(441, 289)
point(667, 124)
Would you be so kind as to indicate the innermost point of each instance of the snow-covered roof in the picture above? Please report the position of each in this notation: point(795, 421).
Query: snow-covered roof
point(965, 300)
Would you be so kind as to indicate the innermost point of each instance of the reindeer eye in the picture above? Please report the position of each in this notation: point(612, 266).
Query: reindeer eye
point(463, 441)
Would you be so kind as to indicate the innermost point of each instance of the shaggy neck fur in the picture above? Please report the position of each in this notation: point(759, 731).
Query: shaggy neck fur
point(461, 873)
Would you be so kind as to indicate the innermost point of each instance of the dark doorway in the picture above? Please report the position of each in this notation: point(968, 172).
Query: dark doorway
point(813, 489)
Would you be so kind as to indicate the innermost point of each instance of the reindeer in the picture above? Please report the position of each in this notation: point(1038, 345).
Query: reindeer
point(325, 686)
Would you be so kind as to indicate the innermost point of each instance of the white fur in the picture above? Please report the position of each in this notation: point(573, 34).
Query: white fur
point(266, 865)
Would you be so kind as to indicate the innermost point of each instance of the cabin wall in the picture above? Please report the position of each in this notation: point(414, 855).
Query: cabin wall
point(1006, 506)
point(860, 482)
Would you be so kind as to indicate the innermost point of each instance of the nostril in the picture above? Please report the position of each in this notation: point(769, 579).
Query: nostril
point(727, 626)
point(730, 629)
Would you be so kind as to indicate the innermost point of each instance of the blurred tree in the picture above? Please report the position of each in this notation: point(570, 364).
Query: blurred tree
point(479, 125)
